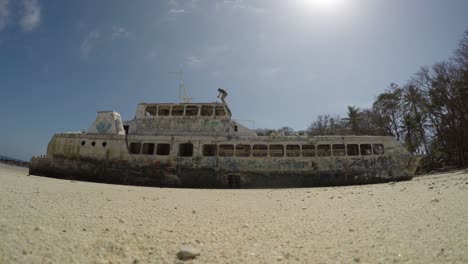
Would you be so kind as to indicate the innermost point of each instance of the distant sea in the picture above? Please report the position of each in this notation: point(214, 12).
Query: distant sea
point(10, 159)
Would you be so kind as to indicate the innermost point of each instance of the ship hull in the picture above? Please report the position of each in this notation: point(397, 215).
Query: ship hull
point(169, 174)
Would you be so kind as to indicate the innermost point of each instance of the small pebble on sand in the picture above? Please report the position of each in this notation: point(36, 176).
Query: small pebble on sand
point(187, 252)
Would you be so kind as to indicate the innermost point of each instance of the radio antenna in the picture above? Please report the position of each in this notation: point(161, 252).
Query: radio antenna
point(183, 95)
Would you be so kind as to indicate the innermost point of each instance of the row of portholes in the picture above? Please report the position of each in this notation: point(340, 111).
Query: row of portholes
point(104, 144)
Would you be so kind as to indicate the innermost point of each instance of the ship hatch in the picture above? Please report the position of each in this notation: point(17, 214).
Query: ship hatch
point(233, 181)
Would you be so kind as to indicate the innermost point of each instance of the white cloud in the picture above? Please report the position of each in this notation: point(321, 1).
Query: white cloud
point(120, 32)
point(180, 7)
point(4, 13)
point(193, 61)
point(239, 5)
point(275, 70)
point(88, 43)
point(272, 71)
point(176, 11)
point(31, 15)
point(183, 3)
point(256, 10)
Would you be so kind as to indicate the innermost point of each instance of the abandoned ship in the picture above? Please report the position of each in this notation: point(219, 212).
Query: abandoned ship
point(198, 145)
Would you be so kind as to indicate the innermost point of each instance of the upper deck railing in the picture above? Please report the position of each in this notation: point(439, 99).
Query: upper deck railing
point(165, 110)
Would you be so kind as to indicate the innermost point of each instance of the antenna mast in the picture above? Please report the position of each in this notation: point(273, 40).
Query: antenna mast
point(183, 95)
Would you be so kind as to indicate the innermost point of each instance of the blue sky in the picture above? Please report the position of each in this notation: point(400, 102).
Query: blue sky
point(282, 62)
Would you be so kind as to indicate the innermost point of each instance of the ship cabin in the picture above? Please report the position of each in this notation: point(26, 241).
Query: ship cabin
point(179, 119)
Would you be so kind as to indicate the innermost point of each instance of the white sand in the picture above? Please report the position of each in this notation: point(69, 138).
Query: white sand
point(44, 220)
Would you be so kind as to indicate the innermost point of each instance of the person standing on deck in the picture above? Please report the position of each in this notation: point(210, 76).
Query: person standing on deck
point(222, 94)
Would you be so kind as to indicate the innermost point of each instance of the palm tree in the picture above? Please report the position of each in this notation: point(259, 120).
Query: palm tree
point(354, 116)
point(408, 127)
point(413, 102)
point(388, 105)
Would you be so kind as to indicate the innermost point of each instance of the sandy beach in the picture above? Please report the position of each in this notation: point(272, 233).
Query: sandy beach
point(44, 220)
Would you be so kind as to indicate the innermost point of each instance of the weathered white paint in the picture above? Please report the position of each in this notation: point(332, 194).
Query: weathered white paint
point(107, 122)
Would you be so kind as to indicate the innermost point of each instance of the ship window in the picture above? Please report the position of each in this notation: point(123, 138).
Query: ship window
point(104, 144)
point(163, 149)
point(243, 150)
point(366, 149)
point(151, 111)
point(339, 150)
point(226, 150)
point(83, 143)
point(164, 110)
point(191, 110)
point(93, 143)
point(209, 150)
point(135, 148)
point(177, 110)
point(220, 111)
point(352, 149)
point(186, 150)
point(260, 150)
point(276, 150)
point(378, 149)
point(207, 110)
point(308, 151)
point(148, 148)
point(323, 150)
point(293, 150)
